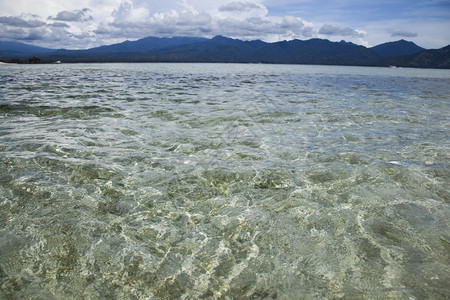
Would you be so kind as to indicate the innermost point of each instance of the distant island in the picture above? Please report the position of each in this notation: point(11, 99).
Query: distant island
point(221, 49)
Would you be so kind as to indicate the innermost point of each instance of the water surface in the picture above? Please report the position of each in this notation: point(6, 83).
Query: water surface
point(187, 181)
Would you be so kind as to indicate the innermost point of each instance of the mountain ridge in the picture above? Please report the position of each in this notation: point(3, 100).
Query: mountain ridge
point(398, 48)
point(228, 50)
point(434, 58)
point(10, 48)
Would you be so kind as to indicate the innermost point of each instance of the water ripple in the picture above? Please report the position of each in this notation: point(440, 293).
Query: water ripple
point(188, 181)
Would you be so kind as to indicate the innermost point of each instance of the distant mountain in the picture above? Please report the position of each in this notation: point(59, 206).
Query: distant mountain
point(227, 50)
point(315, 51)
point(398, 48)
point(145, 45)
point(217, 49)
point(15, 49)
point(436, 59)
point(125, 51)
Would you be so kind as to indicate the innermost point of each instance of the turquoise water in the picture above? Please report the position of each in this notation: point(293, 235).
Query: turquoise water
point(212, 181)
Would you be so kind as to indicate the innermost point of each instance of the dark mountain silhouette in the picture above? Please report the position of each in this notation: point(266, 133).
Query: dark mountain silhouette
point(436, 59)
point(217, 49)
point(223, 49)
point(15, 49)
point(398, 48)
point(315, 51)
point(145, 45)
point(125, 51)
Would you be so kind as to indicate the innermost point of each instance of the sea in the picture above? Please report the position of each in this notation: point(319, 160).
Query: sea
point(224, 181)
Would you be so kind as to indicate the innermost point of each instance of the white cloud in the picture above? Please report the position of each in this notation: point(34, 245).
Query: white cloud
point(11, 33)
point(297, 27)
point(88, 23)
point(130, 20)
point(126, 13)
point(404, 33)
point(335, 30)
point(20, 22)
point(240, 7)
point(59, 24)
point(73, 16)
point(245, 20)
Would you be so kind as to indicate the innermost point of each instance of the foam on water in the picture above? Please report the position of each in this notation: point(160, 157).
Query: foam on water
point(186, 181)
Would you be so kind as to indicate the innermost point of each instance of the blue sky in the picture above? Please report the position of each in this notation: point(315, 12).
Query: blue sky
point(88, 23)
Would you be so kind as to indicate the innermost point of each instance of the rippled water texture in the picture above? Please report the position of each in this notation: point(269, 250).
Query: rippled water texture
point(187, 181)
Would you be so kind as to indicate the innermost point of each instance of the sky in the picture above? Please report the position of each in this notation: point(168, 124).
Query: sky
point(82, 24)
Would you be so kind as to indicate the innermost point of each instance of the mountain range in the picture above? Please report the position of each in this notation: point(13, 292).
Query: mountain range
point(226, 50)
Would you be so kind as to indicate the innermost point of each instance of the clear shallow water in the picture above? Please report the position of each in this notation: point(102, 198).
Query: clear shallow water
point(185, 181)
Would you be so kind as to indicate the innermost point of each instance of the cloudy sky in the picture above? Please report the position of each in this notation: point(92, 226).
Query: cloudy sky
point(83, 24)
